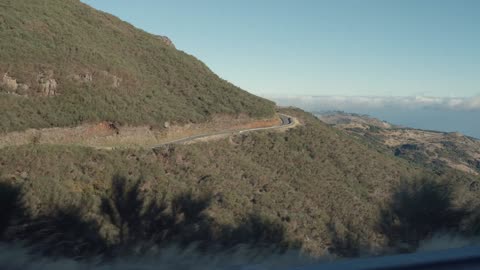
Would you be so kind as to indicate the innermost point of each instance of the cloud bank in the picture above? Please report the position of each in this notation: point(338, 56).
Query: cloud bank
point(366, 102)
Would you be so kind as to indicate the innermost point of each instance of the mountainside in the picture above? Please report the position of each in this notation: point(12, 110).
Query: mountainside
point(438, 150)
point(352, 120)
point(307, 187)
point(312, 188)
point(316, 184)
point(64, 63)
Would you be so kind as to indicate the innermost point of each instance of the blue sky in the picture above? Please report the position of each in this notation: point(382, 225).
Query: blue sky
point(314, 47)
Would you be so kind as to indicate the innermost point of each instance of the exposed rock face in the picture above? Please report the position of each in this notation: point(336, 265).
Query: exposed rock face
point(22, 88)
point(12, 86)
point(103, 76)
point(166, 40)
point(85, 78)
point(116, 81)
point(48, 85)
point(455, 134)
point(9, 82)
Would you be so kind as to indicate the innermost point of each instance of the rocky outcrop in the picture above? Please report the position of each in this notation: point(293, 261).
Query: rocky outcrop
point(166, 40)
point(455, 134)
point(9, 82)
point(23, 88)
point(12, 86)
point(97, 76)
point(114, 80)
point(85, 77)
point(47, 85)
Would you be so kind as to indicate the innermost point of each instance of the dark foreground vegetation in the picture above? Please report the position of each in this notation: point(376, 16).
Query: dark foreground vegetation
point(417, 211)
point(132, 222)
point(128, 222)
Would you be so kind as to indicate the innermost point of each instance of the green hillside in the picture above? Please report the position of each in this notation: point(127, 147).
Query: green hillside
point(309, 187)
point(63, 63)
point(317, 184)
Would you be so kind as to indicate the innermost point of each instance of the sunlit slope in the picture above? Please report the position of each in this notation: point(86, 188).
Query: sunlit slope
point(63, 63)
point(317, 184)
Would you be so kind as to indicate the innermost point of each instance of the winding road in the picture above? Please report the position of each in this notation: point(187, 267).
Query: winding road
point(287, 121)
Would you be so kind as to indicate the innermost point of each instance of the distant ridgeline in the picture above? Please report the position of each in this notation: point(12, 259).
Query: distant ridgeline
point(435, 149)
point(63, 63)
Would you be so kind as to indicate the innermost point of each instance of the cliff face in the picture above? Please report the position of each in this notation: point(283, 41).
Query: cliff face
point(167, 41)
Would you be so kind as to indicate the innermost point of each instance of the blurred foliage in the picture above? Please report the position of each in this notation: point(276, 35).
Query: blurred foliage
point(419, 208)
point(130, 221)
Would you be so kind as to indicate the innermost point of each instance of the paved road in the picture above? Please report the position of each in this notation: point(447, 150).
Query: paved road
point(287, 121)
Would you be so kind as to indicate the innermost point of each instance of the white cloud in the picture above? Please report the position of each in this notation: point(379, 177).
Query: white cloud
point(365, 102)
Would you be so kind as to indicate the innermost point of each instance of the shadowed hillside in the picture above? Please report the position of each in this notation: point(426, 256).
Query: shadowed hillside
point(419, 209)
point(129, 220)
point(64, 63)
point(319, 183)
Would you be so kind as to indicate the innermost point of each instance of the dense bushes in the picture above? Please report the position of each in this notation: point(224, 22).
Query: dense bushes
point(312, 185)
point(65, 38)
point(304, 179)
point(130, 221)
point(420, 208)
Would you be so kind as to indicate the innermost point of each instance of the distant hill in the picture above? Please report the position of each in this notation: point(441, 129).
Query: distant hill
point(438, 150)
point(63, 63)
point(352, 120)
